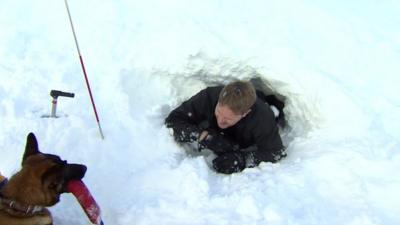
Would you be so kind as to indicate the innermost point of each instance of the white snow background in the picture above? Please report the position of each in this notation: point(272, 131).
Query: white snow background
point(337, 62)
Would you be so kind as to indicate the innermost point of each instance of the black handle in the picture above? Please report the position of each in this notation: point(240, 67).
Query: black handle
point(56, 94)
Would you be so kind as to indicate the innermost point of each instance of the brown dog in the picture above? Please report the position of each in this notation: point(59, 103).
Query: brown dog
point(39, 184)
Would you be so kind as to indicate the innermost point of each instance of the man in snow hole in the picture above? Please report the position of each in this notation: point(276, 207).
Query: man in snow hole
point(234, 121)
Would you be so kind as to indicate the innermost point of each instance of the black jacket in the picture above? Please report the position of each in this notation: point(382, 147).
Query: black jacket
point(257, 130)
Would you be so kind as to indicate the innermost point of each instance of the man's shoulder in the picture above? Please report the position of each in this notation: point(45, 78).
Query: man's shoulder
point(263, 126)
point(261, 114)
point(211, 93)
point(214, 90)
point(206, 98)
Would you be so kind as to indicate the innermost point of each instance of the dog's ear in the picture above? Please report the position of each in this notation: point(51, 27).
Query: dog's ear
point(31, 147)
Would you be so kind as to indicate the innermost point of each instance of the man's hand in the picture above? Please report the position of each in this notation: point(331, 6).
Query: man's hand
point(230, 162)
point(203, 135)
point(216, 142)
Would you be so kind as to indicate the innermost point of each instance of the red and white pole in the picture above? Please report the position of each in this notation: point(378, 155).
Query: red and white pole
point(84, 70)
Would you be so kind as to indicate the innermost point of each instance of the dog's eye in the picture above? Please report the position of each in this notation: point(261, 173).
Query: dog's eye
point(53, 185)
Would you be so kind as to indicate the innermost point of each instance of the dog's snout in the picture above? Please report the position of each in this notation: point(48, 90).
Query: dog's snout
point(75, 172)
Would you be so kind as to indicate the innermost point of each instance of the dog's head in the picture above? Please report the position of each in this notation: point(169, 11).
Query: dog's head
point(43, 177)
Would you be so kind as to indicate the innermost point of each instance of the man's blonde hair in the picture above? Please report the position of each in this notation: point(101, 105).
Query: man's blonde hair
point(239, 96)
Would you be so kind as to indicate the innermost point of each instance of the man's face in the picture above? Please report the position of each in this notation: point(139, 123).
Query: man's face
point(226, 117)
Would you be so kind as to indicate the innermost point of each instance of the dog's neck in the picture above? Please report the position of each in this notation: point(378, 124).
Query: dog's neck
point(18, 209)
point(3, 181)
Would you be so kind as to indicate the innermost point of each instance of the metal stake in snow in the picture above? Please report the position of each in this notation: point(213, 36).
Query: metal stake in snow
point(84, 71)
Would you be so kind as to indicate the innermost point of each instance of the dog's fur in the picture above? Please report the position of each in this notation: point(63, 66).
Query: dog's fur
point(39, 183)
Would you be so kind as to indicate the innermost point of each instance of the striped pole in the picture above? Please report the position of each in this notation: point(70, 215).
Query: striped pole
point(84, 71)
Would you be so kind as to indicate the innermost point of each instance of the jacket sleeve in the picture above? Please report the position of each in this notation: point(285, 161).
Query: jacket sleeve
point(269, 145)
point(186, 120)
